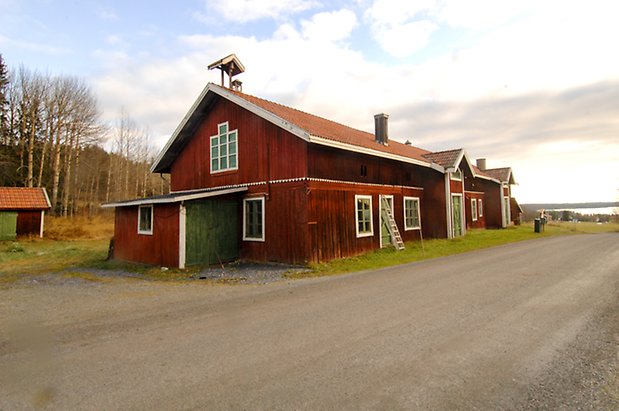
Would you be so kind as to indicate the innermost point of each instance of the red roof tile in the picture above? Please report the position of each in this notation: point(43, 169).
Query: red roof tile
point(445, 159)
point(501, 174)
point(327, 129)
point(22, 198)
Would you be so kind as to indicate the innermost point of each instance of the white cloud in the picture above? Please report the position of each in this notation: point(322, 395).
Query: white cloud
point(329, 26)
point(401, 28)
point(481, 14)
point(32, 46)
point(243, 11)
point(484, 96)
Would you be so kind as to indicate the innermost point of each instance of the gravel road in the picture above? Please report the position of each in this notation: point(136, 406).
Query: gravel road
point(531, 325)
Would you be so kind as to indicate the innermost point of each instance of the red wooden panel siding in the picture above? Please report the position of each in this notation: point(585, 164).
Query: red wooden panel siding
point(265, 152)
point(332, 223)
point(481, 221)
point(285, 224)
point(455, 186)
point(29, 223)
point(160, 248)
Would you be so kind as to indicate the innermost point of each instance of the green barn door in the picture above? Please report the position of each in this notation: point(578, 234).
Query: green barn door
point(457, 215)
point(211, 231)
point(8, 225)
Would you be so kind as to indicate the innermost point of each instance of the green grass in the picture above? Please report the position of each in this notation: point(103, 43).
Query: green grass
point(473, 240)
point(80, 258)
point(36, 256)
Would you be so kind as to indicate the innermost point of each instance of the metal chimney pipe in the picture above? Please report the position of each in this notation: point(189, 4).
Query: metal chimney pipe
point(481, 164)
point(381, 127)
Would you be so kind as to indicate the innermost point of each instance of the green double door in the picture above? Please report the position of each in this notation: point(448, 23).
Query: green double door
point(211, 231)
point(8, 225)
point(457, 215)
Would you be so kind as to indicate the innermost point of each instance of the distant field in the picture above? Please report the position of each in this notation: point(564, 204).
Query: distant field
point(83, 244)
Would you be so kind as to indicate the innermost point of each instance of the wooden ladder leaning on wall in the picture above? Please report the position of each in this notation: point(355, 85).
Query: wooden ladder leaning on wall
point(396, 238)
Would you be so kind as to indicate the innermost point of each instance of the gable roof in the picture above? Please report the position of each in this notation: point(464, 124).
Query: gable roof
point(177, 197)
point(446, 159)
point(23, 198)
point(504, 175)
point(311, 128)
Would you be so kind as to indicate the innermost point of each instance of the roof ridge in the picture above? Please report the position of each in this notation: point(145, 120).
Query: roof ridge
point(446, 151)
point(241, 94)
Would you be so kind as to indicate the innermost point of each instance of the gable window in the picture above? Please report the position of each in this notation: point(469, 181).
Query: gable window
point(456, 175)
point(411, 213)
point(253, 219)
point(145, 219)
point(363, 216)
point(224, 146)
point(474, 209)
point(481, 207)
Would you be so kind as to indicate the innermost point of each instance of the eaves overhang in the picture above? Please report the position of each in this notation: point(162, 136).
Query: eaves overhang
point(175, 197)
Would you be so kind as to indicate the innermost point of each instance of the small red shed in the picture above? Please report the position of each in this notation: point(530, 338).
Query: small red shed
point(22, 211)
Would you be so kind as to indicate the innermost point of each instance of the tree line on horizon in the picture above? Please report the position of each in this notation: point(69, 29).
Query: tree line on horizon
point(52, 136)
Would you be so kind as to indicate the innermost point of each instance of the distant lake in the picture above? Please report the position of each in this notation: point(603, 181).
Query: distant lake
point(585, 211)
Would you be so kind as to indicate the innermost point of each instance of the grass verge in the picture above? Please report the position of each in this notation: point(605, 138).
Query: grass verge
point(473, 240)
point(82, 258)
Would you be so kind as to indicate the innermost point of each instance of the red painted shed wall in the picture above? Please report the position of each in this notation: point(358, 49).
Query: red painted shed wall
point(160, 248)
point(481, 221)
point(332, 223)
point(332, 164)
point(285, 224)
point(265, 152)
point(29, 222)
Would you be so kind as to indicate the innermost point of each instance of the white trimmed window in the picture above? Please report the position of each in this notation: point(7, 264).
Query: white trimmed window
point(363, 216)
point(253, 219)
point(480, 204)
point(145, 219)
point(474, 209)
point(224, 145)
point(411, 213)
point(457, 175)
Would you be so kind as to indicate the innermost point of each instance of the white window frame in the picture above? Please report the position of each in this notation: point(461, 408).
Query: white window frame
point(474, 209)
point(406, 227)
point(245, 201)
point(481, 208)
point(453, 177)
point(140, 208)
point(371, 232)
point(219, 145)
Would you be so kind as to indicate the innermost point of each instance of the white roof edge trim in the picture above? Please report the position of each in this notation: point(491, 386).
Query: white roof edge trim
point(175, 199)
point(49, 203)
point(376, 153)
point(259, 111)
point(180, 126)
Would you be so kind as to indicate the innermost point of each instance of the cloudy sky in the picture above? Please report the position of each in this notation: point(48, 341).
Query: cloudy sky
point(529, 84)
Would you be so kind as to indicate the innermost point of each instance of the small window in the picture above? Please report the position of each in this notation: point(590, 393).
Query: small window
point(363, 216)
point(456, 175)
point(253, 219)
point(224, 155)
point(474, 209)
point(145, 219)
point(481, 207)
point(411, 213)
point(364, 170)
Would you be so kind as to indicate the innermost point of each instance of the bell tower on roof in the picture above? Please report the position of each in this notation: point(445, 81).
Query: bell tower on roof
point(232, 66)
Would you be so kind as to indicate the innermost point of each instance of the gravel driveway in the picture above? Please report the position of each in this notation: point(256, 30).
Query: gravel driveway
point(532, 325)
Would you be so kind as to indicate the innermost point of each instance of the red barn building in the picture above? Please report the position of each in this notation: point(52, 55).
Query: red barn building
point(22, 211)
point(256, 180)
